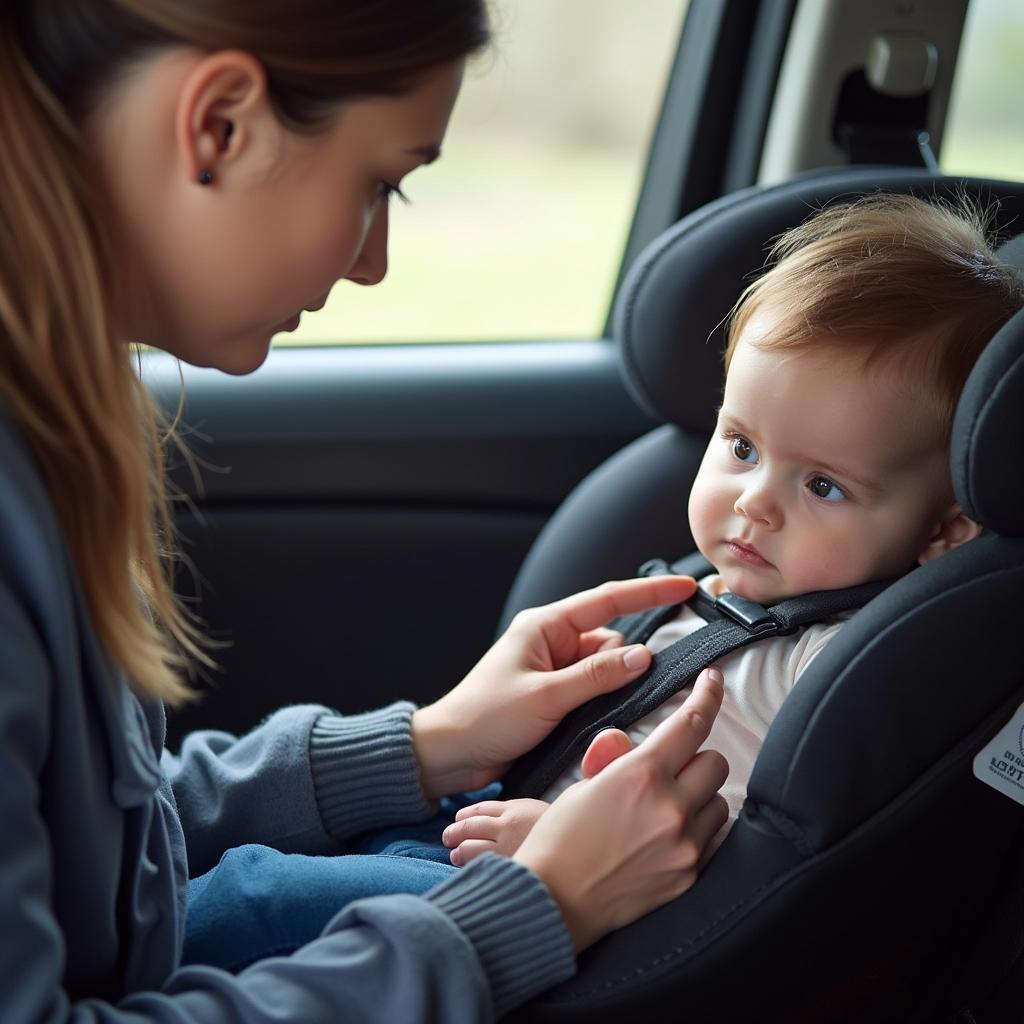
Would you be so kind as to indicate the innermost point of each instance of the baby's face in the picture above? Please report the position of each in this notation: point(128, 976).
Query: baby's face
point(820, 475)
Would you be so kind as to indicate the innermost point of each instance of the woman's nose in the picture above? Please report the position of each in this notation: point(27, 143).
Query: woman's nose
point(371, 264)
point(757, 503)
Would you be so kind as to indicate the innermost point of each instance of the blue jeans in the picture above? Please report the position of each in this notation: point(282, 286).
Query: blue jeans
point(259, 902)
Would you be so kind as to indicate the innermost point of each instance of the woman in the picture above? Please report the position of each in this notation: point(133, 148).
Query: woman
point(193, 173)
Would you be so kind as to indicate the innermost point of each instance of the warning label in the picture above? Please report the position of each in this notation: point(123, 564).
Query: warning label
point(1000, 763)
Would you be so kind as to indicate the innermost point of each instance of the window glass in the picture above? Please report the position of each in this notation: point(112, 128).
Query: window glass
point(518, 231)
point(985, 129)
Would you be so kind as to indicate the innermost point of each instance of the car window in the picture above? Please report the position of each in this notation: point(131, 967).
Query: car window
point(518, 231)
point(984, 132)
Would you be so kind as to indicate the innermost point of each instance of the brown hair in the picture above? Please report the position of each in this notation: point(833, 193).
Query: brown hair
point(894, 280)
point(65, 376)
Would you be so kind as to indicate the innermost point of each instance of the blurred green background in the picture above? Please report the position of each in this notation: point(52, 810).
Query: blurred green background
point(985, 127)
point(518, 232)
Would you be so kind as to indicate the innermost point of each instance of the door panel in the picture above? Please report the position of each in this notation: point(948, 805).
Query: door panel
point(362, 512)
point(350, 606)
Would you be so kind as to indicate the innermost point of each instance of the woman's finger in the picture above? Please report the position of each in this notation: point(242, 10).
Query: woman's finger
point(562, 622)
point(592, 608)
point(702, 778)
point(601, 639)
point(696, 842)
point(602, 672)
point(708, 822)
point(677, 739)
point(605, 747)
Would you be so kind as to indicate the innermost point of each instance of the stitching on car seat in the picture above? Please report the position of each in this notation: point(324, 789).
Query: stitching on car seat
point(788, 828)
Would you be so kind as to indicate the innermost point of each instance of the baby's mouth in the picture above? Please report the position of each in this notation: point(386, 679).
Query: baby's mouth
point(747, 553)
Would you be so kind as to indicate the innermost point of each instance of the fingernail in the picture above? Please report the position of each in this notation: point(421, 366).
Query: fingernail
point(715, 675)
point(456, 857)
point(635, 657)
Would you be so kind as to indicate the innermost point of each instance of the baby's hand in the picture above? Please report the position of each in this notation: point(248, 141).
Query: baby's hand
point(493, 826)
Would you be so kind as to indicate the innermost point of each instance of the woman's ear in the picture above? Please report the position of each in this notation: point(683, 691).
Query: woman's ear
point(950, 532)
point(222, 107)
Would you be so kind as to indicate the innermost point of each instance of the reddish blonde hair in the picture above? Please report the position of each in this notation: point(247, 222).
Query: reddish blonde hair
point(893, 280)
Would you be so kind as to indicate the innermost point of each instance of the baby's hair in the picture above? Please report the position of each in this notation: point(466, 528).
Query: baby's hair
point(893, 280)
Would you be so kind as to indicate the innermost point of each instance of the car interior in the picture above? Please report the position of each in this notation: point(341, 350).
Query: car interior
point(363, 519)
point(818, 869)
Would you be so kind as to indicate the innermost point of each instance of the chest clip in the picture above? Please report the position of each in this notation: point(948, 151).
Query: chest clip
point(754, 617)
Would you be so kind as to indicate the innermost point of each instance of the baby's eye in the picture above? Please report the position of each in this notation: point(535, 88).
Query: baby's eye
point(744, 450)
point(822, 487)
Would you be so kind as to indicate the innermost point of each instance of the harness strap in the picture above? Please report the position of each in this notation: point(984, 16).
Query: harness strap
point(732, 623)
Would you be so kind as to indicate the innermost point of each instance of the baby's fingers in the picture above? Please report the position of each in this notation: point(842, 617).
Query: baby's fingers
point(470, 850)
point(480, 827)
point(489, 808)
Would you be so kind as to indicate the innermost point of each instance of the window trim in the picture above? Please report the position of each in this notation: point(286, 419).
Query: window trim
point(713, 121)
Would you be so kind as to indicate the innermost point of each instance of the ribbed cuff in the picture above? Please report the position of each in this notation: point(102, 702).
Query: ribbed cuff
point(364, 772)
point(508, 914)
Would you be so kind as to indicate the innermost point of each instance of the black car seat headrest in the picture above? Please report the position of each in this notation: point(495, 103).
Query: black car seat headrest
point(987, 431)
point(670, 319)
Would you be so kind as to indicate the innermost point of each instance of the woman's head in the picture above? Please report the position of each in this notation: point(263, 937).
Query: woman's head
point(317, 53)
point(285, 215)
point(300, 114)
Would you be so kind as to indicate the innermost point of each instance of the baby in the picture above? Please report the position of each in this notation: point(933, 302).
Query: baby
point(829, 466)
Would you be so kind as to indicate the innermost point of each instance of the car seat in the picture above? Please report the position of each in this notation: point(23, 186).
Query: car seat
point(870, 876)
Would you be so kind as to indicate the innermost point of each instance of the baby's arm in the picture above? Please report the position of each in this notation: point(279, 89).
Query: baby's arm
point(492, 826)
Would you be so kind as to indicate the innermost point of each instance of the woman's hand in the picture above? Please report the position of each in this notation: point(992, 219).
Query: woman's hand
point(491, 826)
point(615, 846)
point(549, 661)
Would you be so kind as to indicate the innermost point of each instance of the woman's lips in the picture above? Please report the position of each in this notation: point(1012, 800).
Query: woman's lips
point(747, 554)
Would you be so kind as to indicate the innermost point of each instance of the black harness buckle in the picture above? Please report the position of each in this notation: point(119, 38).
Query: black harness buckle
point(753, 617)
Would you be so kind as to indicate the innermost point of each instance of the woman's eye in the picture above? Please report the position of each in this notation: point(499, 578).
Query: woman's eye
point(744, 450)
point(822, 487)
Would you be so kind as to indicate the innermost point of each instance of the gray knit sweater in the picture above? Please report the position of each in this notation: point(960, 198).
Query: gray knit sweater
point(101, 828)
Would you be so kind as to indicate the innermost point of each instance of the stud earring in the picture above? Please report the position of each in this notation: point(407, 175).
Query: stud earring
point(205, 178)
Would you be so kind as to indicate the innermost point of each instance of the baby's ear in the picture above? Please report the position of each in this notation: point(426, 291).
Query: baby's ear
point(950, 532)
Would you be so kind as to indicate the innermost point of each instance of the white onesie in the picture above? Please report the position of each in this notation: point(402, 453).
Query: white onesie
point(758, 679)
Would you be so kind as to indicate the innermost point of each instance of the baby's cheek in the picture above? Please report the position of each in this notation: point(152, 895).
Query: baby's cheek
point(702, 515)
point(827, 565)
